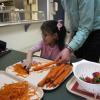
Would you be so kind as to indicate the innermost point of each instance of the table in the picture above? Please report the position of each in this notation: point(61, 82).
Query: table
point(61, 93)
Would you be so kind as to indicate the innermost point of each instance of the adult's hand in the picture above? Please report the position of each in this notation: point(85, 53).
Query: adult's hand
point(64, 56)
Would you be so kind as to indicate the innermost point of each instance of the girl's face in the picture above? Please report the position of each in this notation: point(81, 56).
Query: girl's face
point(49, 39)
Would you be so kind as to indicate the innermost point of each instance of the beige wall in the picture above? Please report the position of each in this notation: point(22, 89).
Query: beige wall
point(17, 38)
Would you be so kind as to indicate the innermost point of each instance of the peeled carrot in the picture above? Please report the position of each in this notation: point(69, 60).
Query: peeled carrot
point(58, 74)
point(45, 79)
point(52, 74)
point(37, 68)
point(62, 77)
point(14, 91)
point(42, 82)
point(55, 76)
point(49, 76)
point(56, 70)
point(50, 84)
point(19, 69)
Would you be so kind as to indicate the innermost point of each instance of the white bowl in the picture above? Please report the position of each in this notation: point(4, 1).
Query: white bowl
point(85, 69)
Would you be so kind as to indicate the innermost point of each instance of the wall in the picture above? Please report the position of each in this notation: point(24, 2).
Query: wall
point(19, 4)
point(60, 12)
point(42, 6)
point(17, 38)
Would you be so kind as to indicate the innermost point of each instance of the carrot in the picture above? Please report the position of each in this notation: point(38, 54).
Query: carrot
point(55, 76)
point(62, 76)
point(45, 79)
point(34, 64)
point(18, 68)
point(49, 84)
point(14, 91)
point(56, 70)
point(37, 68)
point(58, 74)
point(42, 82)
point(50, 75)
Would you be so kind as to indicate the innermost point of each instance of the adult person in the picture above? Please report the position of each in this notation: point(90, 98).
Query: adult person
point(84, 27)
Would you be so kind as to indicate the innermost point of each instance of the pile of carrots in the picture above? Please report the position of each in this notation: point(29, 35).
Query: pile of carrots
point(56, 76)
point(20, 70)
point(15, 91)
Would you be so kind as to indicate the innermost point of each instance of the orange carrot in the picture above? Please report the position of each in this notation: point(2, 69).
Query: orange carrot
point(49, 76)
point(62, 76)
point(55, 76)
point(37, 68)
point(45, 79)
point(14, 91)
point(49, 84)
point(56, 70)
point(42, 82)
point(19, 69)
point(58, 74)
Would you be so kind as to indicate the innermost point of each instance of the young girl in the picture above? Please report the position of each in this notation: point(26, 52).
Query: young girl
point(53, 35)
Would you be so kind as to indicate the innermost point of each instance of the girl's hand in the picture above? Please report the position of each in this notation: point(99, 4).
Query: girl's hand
point(64, 56)
point(27, 63)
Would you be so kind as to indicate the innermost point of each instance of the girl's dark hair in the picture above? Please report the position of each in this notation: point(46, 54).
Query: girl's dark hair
point(51, 27)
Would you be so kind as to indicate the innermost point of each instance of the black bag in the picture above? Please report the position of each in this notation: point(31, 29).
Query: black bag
point(2, 46)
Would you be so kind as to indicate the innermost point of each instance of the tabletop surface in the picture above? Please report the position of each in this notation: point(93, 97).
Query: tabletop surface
point(60, 93)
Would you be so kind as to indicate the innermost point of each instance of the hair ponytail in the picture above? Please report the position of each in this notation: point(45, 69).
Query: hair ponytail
point(61, 35)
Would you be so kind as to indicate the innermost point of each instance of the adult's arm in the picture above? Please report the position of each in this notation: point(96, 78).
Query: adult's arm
point(86, 18)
